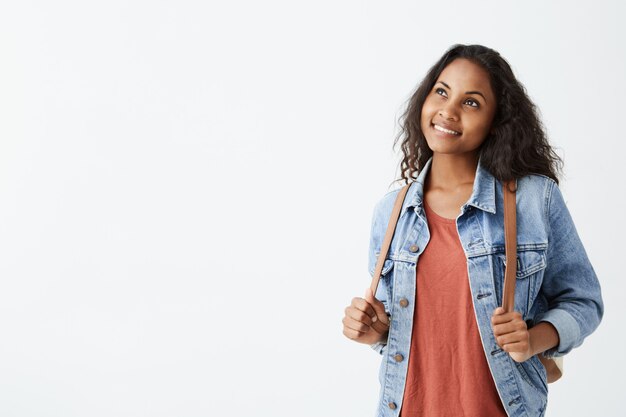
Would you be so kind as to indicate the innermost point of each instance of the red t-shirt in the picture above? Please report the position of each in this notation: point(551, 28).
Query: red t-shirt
point(448, 373)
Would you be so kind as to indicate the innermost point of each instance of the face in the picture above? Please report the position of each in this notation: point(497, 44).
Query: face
point(460, 101)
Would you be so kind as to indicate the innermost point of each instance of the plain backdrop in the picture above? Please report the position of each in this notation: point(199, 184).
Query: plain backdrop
point(186, 189)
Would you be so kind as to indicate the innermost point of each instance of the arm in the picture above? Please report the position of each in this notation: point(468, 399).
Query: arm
point(570, 284)
point(543, 336)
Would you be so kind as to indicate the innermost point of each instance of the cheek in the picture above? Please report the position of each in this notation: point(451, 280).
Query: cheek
point(423, 121)
point(483, 121)
point(481, 129)
point(426, 115)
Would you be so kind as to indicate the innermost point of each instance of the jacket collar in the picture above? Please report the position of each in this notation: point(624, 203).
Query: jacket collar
point(483, 192)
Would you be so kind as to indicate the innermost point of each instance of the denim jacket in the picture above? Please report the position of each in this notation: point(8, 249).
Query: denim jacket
point(555, 281)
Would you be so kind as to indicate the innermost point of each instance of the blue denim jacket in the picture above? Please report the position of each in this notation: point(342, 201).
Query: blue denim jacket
point(555, 281)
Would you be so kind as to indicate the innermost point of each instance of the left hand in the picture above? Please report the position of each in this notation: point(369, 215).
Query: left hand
point(512, 334)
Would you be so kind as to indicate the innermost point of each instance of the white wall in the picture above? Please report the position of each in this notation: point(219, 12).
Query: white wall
point(186, 191)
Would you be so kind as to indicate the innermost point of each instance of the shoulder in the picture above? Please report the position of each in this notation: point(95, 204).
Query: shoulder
point(382, 212)
point(386, 202)
point(542, 195)
point(388, 197)
point(536, 181)
point(537, 187)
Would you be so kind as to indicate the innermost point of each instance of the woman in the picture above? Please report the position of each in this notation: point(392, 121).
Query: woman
point(448, 349)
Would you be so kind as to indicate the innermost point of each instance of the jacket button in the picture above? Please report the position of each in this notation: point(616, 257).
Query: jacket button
point(404, 302)
point(413, 248)
point(398, 357)
point(392, 405)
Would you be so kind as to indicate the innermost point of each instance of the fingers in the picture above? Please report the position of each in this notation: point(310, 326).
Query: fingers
point(355, 325)
point(359, 316)
point(365, 319)
point(351, 334)
point(515, 337)
point(499, 317)
point(510, 330)
point(516, 347)
point(362, 305)
point(508, 327)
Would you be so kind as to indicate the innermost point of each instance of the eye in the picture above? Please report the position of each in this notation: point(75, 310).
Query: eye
point(473, 101)
point(437, 90)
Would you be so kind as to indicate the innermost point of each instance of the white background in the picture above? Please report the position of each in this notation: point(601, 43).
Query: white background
point(186, 191)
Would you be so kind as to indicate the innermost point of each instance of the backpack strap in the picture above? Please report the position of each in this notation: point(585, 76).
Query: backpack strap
point(510, 243)
point(393, 220)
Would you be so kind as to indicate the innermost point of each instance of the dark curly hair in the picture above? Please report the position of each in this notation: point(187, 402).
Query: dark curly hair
point(518, 144)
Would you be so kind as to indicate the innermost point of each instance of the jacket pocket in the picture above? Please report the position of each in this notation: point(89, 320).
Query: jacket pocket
point(530, 265)
point(387, 266)
point(528, 262)
point(540, 370)
point(528, 373)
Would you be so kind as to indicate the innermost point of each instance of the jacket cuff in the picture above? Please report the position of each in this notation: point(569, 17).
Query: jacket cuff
point(379, 347)
point(566, 326)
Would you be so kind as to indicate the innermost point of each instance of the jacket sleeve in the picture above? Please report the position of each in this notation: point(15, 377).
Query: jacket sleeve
point(570, 284)
point(378, 228)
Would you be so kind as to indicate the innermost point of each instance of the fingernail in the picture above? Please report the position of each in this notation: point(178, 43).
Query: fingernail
point(374, 318)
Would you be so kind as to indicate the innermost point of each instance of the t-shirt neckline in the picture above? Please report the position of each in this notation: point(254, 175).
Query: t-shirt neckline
point(430, 213)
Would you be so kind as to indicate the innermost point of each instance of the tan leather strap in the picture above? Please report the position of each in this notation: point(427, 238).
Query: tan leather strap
point(393, 220)
point(510, 245)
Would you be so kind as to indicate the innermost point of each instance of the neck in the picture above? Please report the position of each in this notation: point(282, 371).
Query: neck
point(452, 171)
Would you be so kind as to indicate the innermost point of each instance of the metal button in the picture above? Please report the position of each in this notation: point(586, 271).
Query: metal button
point(398, 357)
point(413, 248)
point(392, 405)
point(404, 302)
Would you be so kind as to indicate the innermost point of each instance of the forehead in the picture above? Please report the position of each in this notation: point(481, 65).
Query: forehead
point(462, 74)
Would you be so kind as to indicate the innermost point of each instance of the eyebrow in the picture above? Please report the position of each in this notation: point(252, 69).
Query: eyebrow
point(467, 92)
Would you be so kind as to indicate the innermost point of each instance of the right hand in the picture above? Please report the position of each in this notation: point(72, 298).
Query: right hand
point(365, 320)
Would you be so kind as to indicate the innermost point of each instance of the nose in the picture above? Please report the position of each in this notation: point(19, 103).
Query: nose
point(448, 112)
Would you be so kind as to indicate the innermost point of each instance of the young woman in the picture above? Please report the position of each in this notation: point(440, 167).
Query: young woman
point(447, 347)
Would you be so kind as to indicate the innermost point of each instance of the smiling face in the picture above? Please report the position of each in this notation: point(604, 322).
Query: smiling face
point(458, 111)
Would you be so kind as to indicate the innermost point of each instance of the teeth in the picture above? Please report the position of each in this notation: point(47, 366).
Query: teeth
point(441, 129)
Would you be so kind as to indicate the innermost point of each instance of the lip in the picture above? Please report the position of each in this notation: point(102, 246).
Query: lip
point(446, 126)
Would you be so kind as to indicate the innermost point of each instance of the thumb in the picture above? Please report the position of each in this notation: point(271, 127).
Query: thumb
point(378, 306)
